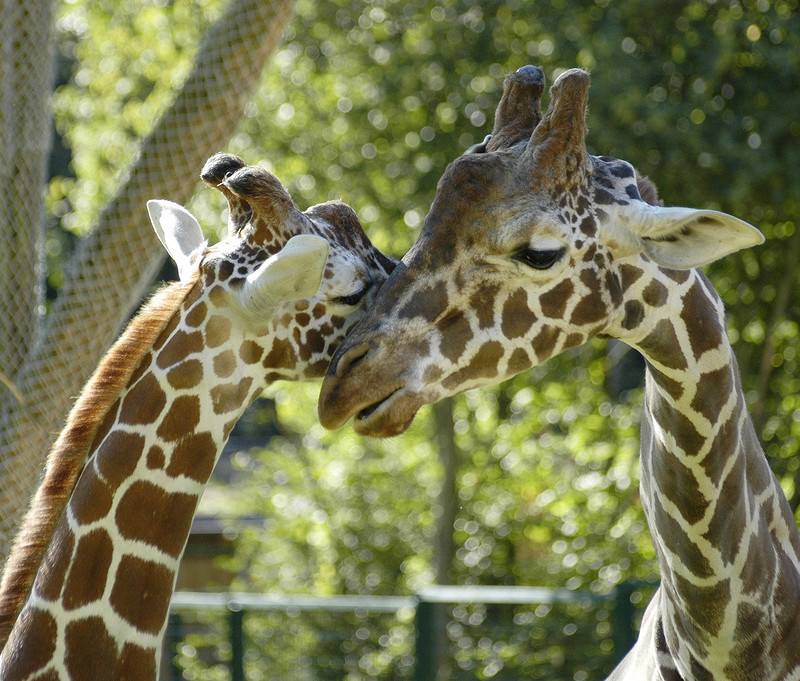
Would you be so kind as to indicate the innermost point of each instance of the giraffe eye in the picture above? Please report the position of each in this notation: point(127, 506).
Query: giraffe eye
point(539, 260)
point(353, 298)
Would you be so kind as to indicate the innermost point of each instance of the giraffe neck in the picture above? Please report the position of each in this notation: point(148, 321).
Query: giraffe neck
point(726, 540)
point(101, 595)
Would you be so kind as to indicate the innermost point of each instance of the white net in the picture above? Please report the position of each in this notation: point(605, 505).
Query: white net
point(44, 360)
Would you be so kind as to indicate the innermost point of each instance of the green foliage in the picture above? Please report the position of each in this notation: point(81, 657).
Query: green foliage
point(368, 102)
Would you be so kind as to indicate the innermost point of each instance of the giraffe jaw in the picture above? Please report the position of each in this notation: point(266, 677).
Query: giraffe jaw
point(376, 413)
point(388, 416)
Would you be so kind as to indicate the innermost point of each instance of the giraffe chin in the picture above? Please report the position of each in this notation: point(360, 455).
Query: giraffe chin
point(391, 416)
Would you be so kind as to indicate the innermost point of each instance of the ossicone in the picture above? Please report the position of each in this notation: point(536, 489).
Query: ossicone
point(215, 171)
point(557, 148)
point(519, 110)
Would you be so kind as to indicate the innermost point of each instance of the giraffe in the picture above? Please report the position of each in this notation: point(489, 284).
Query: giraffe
point(533, 246)
point(109, 523)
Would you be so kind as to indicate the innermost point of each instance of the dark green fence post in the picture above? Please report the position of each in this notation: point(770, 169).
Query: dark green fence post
point(425, 652)
point(624, 636)
point(237, 642)
point(172, 640)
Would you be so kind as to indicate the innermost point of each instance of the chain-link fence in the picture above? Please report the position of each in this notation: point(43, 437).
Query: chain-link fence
point(44, 360)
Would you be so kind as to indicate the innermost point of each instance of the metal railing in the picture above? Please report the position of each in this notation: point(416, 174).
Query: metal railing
point(624, 606)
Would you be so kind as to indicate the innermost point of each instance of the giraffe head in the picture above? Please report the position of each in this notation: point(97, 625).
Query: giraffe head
point(300, 278)
point(518, 259)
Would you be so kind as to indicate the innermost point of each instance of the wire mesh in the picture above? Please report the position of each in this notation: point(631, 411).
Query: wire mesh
point(44, 360)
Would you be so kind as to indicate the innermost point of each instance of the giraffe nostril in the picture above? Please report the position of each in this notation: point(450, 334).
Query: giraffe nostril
point(350, 358)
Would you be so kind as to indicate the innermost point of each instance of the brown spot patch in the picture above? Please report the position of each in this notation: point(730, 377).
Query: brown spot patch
point(672, 387)
point(91, 500)
point(224, 363)
point(196, 315)
point(655, 294)
point(662, 346)
point(729, 523)
point(482, 303)
point(591, 308)
point(141, 593)
point(554, 302)
point(281, 356)
point(545, 342)
point(230, 396)
point(194, 457)
point(519, 361)
point(678, 276)
point(613, 287)
point(573, 340)
point(32, 644)
point(709, 402)
point(181, 419)
point(428, 302)
point(482, 365)
point(727, 441)
point(53, 569)
point(314, 344)
point(314, 370)
point(679, 485)
point(588, 226)
point(628, 275)
point(303, 319)
point(455, 334)
point(225, 270)
point(186, 375)
point(250, 352)
point(704, 604)
point(674, 538)
point(179, 347)
point(634, 314)
point(143, 403)
point(517, 317)
point(705, 332)
point(150, 514)
point(218, 331)
point(91, 650)
point(433, 373)
point(117, 457)
point(155, 458)
point(135, 663)
point(87, 578)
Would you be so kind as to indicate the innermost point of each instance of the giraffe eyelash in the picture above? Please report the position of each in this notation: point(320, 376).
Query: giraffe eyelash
point(539, 259)
point(353, 298)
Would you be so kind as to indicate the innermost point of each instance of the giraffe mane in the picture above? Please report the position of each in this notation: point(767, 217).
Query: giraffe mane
point(70, 452)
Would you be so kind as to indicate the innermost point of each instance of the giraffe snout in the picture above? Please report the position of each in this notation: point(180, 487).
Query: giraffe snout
point(346, 389)
point(349, 359)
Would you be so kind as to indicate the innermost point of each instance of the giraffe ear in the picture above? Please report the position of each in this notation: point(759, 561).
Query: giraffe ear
point(293, 273)
point(683, 238)
point(179, 232)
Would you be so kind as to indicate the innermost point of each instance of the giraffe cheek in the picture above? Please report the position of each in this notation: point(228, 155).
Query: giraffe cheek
point(455, 334)
point(481, 369)
point(517, 316)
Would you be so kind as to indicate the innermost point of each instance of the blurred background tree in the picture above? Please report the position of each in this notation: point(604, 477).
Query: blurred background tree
point(535, 481)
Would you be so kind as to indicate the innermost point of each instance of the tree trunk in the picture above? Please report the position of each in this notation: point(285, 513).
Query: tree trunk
point(444, 548)
point(116, 264)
